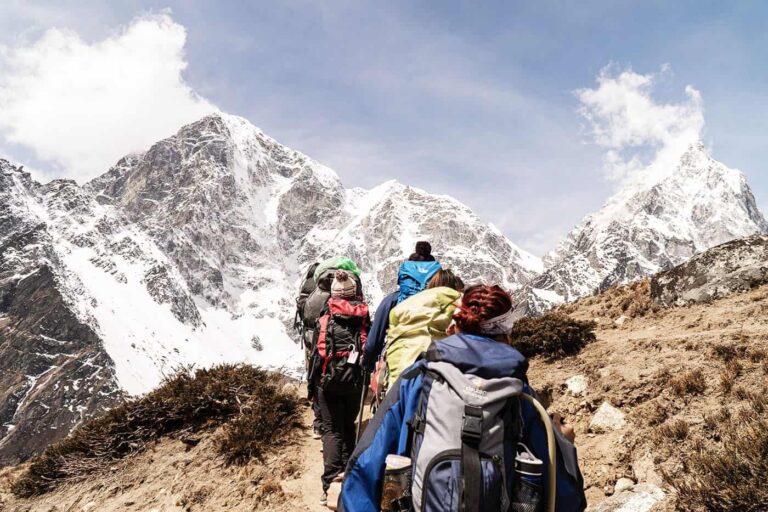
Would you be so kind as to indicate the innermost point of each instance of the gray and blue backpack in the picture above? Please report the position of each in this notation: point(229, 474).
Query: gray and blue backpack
point(465, 437)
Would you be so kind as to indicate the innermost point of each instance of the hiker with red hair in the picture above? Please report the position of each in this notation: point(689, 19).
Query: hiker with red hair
point(461, 429)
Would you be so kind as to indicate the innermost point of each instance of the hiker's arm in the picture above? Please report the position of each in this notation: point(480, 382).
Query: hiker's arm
point(564, 428)
point(570, 483)
point(378, 333)
point(386, 433)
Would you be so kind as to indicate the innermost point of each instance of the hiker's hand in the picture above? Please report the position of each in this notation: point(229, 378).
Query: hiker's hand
point(563, 428)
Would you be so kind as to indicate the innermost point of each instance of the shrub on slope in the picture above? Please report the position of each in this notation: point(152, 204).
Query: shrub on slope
point(186, 402)
point(553, 335)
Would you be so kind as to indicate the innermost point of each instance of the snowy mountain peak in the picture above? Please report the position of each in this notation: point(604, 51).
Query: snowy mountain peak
point(647, 226)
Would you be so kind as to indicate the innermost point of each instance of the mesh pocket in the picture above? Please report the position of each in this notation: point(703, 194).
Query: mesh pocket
point(527, 496)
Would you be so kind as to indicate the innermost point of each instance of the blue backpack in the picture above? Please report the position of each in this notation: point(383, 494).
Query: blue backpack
point(414, 276)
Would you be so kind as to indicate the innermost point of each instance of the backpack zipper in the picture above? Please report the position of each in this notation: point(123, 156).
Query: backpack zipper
point(456, 454)
point(504, 492)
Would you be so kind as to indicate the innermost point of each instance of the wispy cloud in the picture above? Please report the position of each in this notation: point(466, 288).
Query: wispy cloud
point(81, 106)
point(639, 133)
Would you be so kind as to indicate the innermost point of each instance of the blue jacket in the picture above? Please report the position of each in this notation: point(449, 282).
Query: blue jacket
point(388, 430)
point(378, 333)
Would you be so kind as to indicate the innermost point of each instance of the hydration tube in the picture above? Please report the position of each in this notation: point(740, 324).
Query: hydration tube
point(552, 468)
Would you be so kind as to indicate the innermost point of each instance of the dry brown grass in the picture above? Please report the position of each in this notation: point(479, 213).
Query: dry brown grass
point(676, 430)
point(652, 413)
point(730, 475)
point(196, 497)
point(632, 300)
point(729, 374)
point(728, 351)
point(553, 335)
point(741, 393)
point(261, 415)
point(689, 383)
point(757, 355)
point(727, 378)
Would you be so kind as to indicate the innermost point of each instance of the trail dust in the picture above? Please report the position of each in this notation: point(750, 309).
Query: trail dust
point(180, 476)
point(307, 487)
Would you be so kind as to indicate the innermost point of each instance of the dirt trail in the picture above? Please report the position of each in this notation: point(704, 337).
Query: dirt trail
point(307, 486)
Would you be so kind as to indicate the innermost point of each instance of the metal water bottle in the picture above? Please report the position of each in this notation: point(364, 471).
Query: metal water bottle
point(529, 472)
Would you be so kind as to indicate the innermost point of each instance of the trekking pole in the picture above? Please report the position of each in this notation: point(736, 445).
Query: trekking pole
point(362, 403)
point(551, 479)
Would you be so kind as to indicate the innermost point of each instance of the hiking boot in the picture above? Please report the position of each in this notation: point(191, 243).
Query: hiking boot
point(317, 433)
point(324, 499)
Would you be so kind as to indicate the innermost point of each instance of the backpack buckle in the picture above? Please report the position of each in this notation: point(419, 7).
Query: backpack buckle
point(472, 425)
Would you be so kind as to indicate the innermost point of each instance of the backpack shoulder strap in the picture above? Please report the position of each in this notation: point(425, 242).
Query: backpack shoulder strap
point(471, 481)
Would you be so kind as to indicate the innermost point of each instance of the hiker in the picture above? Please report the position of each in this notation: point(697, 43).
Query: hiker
point(337, 374)
point(305, 328)
point(458, 418)
point(313, 297)
point(446, 277)
point(412, 277)
point(419, 320)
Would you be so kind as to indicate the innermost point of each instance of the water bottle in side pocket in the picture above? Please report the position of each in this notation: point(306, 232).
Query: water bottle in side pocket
point(528, 481)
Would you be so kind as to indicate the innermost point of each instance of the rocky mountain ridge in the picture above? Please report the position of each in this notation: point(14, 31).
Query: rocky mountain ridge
point(735, 266)
point(646, 227)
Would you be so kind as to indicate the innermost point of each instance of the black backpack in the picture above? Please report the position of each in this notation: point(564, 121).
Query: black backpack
point(338, 344)
point(312, 300)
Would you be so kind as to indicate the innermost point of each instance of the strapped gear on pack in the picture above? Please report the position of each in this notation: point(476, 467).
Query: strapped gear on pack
point(463, 440)
point(414, 325)
point(414, 276)
point(308, 285)
point(341, 333)
point(426, 418)
point(315, 292)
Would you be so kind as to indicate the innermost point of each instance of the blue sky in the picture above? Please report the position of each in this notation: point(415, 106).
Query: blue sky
point(472, 99)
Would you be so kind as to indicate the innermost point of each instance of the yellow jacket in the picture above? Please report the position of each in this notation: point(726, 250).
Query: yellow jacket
point(414, 324)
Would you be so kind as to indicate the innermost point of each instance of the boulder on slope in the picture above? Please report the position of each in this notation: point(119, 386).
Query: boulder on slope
point(735, 266)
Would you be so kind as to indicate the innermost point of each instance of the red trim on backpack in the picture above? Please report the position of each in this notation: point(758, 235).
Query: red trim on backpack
point(322, 341)
point(345, 307)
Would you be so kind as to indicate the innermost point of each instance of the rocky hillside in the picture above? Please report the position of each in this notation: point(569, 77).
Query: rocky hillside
point(667, 403)
point(105, 288)
point(53, 370)
point(648, 226)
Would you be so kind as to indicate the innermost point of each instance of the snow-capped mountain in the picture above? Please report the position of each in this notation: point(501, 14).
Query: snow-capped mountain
point(191, 253)
point(648, 226)
point(53, 369)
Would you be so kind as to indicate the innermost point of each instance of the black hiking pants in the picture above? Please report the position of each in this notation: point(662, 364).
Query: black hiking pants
point(338, 413)
point(317, 423)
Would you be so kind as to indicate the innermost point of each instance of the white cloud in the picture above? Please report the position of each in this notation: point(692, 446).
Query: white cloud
point(81, 106)
point(640, 134)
